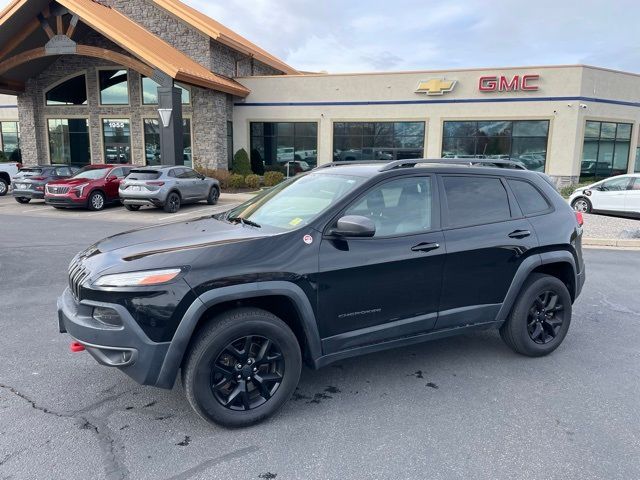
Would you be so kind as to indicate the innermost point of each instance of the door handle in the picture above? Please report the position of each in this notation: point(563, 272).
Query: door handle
point(519, 234)
point(425, 247)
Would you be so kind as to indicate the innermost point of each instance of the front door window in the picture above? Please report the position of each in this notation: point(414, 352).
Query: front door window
point(117, 140)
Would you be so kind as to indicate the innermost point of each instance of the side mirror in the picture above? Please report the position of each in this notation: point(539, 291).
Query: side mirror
point(111, 178)
point(354, 226)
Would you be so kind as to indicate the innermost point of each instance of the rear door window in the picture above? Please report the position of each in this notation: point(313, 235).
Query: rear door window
point(531, 201)
point(475, 200)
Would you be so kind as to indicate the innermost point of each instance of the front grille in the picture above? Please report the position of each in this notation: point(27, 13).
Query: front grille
point(57, 190)
point(77, 274)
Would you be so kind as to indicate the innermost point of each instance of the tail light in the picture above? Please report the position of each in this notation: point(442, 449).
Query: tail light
point(19, 165)
point(155, 184)
point(579, 218)
point(39, 179)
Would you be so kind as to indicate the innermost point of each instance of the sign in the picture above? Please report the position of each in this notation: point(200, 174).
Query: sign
point(502, 83)
point(436, 86)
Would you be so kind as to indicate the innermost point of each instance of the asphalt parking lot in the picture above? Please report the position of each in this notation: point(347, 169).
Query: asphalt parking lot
point(460, 408)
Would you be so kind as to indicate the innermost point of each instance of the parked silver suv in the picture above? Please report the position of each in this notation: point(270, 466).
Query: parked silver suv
point(167, 187)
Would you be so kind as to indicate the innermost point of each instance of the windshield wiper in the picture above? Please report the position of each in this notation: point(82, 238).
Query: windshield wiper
point(244, 221)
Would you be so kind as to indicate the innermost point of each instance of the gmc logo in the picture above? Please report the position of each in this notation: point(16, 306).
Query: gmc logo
point(504, 84)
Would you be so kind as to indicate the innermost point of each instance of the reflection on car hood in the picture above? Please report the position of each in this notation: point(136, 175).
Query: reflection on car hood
point(190, 235)
point(71, 182)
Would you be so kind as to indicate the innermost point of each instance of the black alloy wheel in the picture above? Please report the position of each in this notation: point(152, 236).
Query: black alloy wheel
point(540, 317)
point(23, 200)
point(247, 373)
point(241, 367)
point(214, 195)
point(172, 204)
point(545, 318)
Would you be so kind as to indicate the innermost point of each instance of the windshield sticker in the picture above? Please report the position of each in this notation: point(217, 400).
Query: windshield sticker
point(308, 239)
point(295, 221)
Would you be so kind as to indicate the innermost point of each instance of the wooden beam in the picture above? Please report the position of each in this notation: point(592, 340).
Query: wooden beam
point(84, 50)
point(44, 23)
point(59, 25)
point(16, 41)
point(72, 26)
point(11, 86)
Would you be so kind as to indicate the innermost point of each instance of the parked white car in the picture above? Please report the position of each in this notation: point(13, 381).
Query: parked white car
point(7, 172)
point(619, 195)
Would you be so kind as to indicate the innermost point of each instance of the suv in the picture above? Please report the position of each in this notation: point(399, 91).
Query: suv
point(167, 187)
point(7, 172)
point(29, 182)
point(343, 261)
point(93, 187)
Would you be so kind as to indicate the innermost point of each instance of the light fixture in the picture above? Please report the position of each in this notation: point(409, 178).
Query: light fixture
point(165, 116)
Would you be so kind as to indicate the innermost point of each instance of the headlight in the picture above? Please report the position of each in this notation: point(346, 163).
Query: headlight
point(138, 279)
point(78, 189)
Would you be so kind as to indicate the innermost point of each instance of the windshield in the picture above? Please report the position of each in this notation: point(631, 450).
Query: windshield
point(296, 202)
point(92, 173)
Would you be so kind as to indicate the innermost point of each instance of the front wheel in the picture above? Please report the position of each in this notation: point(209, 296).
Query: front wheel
point(540, 318)
point(23, 200)
point(96, 201)
point(581, 205)
point(214, 195)
point(242, 367)
point(4, 187)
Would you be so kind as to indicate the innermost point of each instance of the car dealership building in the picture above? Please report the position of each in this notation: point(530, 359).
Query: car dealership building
point(142, 80)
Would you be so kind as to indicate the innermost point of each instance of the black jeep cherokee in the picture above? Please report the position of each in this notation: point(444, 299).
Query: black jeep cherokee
point(346, 260)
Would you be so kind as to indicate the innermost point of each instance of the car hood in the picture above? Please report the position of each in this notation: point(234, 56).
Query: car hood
point(166, 245)
point(71, 182)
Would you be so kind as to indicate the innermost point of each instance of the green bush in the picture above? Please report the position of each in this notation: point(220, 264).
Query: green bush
point(241, 163)
point(252, 181)
point(236, 181)
point(567, 190)
point(273, 178)
point(3, 157)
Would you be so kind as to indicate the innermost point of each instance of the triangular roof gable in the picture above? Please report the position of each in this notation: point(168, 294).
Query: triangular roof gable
point(136, 40)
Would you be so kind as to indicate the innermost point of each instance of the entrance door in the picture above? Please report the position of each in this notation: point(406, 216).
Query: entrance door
point(387, 286)
point(116, 134)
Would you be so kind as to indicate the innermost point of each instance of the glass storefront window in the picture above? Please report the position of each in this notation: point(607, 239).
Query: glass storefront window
point(150, 92)
point(606, 149)
point(69, 141)
point(70, 92)
point(116, 134)
point(378, 140)
point(522, 140)
point(282, 144)
point(152, 142)
point(9, 137)
point(114, 87)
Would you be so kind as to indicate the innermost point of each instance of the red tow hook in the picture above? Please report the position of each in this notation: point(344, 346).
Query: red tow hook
point(76, 347)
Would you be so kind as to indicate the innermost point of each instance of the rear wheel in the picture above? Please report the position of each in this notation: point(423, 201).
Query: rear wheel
point(214, 195)
point(582, 204)
point(540, 318)
point(23, 200)
point(242, 367)
point(96, 201)
point(4, 187)
point(132, 208)
point(172, 205)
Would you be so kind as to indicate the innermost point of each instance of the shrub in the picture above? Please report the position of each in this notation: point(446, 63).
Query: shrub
point(3, 157)
point(567, 190)
point(241, 163)
point(273, 178)
point(252, 181)
point(236, 181)
point(221, 175)
point(257, 165)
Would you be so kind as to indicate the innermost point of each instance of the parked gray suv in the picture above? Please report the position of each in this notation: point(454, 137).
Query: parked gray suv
point(167, 187)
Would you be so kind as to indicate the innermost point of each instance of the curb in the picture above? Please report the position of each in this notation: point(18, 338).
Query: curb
point(611, 242)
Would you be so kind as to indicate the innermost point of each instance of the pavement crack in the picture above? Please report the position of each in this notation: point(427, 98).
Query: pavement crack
point(33, 403)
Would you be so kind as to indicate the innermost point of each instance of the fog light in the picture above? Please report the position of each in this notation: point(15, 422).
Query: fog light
point(107, 316)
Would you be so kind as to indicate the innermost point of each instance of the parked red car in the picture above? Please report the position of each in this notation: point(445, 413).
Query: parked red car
point(93, 187)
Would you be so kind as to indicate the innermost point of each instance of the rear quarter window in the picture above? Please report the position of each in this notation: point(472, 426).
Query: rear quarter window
point(531, 201)
point(475, 200)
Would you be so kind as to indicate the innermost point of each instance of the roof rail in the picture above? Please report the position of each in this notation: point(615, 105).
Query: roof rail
point(454, 161)
point(351, 162)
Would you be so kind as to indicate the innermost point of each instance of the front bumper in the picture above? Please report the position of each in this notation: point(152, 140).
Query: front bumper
point(65, 201)
point(33, 194)
point(125, 347)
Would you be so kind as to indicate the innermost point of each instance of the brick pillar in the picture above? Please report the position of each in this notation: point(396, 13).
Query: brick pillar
point(27, 114)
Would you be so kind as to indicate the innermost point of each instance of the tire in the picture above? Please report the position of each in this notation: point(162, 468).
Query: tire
point(132, 208)
point(535, 327)
point(4, 187)
point(213, 345)
point(214, 195)
point(59, 208)
point(22, 200)
point(172, 204)
point(96, 201)
point(582, 204)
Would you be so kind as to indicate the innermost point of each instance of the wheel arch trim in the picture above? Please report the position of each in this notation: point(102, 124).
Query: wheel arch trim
point(523, 272)
point(184, 332)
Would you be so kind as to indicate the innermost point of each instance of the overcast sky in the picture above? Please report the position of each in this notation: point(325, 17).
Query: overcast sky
point(379, 35)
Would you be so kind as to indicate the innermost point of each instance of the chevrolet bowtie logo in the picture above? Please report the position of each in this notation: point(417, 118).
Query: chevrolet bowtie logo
point(436, 86)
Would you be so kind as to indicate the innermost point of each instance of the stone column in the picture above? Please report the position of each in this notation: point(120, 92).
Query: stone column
point(27, 116)
point(171, 139)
